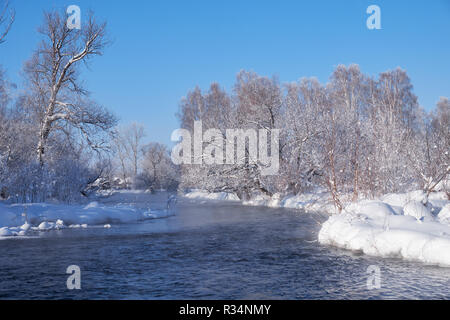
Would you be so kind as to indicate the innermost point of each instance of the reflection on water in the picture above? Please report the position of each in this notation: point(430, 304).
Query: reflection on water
point(207, 251)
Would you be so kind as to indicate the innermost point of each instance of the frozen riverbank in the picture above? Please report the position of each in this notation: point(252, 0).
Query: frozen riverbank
point(119, 207)
point(317, 201)
point(396, 226)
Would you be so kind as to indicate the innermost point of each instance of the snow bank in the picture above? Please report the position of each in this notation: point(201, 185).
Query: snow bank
point(20, 219)
point(376, 228)
point(317, 201)
point(444, 214)
point(203, 195)
point(309, 202)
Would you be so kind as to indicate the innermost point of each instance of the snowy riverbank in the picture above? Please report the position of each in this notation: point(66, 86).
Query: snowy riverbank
point(318, 201)
point(395, 225)
point(119, 207)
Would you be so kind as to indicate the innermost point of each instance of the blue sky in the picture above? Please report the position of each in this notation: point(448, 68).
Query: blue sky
point(162, 49)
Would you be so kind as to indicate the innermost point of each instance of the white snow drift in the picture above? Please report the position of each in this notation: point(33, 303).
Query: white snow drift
point(21, 219)
point(407, 229)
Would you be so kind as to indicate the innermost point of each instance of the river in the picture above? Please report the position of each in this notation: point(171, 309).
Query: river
point(207, 250)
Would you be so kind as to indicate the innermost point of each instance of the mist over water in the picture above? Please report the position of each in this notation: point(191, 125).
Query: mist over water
point(208, 250)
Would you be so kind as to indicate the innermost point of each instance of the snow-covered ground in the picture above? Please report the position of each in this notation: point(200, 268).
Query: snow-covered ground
point(396, 225)
point(317, 201)
point(117, 207)
point(203, 195)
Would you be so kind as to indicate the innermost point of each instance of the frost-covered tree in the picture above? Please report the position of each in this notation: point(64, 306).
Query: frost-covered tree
point(55, 92)
point(133, 137)
point(48, 132)
point(430, 157)
point(393, 121)
point(158, 170)
point(302, 165)
point(256, 104)
point(127, 147)
point(358, 136)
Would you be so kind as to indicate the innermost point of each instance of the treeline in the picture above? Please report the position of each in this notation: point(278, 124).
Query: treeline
point(56, 142)
point(139, 165)
point(356, 135)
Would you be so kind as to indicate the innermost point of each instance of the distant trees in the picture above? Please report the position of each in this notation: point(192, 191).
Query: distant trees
point(158, 171)
point(357, 136)
point(133, 137)
point(127, 147)
point(139, 165)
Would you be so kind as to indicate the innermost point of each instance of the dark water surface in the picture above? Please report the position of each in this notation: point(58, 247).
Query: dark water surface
point(207, 251)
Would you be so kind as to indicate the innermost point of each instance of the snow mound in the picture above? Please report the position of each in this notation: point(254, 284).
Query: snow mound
point(417, 210)
point(48, 225)
point(371, 209)
point(374, 228)
point(20, 219)
point(93, 204)
point(444, 214)
point(6, 232)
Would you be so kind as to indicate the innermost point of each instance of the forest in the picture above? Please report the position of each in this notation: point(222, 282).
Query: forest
point(358, 136)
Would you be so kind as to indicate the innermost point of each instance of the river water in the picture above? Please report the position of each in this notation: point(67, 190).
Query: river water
point(207, 250)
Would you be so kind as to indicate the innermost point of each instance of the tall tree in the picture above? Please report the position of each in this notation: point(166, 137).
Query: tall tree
point(57, 95)
point(133, 136)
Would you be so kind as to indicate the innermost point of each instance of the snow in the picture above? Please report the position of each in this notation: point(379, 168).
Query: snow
point(203, 195)
point(23, 219)
point(444, 214)
point(376, 228)
point(310, 202)
point(417, 210)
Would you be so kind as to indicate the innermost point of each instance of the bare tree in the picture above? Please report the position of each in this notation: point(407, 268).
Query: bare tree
point(120, 151)
point(355, 136)
point(7, 17)
point(432, 163)
point(133, 136)
point(56, 93)
point(158, 171)
point(302, 133)
point(127, 146)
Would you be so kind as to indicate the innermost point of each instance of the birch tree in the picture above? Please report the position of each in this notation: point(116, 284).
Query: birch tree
point(133, 136)
point(57, 95)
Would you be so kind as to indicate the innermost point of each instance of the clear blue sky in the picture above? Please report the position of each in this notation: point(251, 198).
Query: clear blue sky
point(162, 49)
